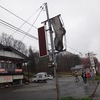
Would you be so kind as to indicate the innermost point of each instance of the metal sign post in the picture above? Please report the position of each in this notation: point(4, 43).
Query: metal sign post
point(53, 54)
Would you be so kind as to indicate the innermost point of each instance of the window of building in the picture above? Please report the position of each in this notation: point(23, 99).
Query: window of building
point(2, 65)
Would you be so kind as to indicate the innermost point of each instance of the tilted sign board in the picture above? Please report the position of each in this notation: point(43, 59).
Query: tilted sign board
point(42, 41)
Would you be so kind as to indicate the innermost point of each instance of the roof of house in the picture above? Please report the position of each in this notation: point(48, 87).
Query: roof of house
point(77, 67)
point(9, 48)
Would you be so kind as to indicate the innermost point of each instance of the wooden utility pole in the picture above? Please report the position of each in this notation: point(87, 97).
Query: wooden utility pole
point(53, 52)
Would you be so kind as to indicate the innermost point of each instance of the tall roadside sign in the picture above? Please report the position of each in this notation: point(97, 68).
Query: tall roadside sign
point(42, 42)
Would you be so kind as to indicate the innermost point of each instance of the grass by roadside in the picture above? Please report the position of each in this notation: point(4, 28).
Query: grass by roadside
point(97, 77)
point(72, 98)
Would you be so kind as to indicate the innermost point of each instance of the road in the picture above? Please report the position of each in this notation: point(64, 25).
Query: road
point(47, 91)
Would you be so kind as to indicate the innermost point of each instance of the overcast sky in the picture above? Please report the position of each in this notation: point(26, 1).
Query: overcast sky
point(81, 20)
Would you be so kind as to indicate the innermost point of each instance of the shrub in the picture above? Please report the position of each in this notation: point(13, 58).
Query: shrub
point(28, 74)
point(97, 77)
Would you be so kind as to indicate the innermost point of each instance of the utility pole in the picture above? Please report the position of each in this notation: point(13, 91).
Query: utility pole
point(53, 52)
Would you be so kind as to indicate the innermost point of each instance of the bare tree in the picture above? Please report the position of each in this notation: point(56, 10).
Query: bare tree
point(8, 40)
point(66, 61)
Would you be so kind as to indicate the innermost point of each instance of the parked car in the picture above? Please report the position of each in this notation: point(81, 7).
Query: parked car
point(40, 77)
point(50, 77)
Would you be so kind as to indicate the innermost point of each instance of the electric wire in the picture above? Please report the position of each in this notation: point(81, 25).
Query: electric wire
point(25, 21)
point(21, 31)
point(32, 24)
point(17, 16)
point(15, 28)
point(74, 50)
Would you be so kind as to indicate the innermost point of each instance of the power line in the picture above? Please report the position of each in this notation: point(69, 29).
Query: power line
point(12, 30)
point(75, 50)
point(21, 31)
point(17, 29)
point(25, 33)
point(33, 23)
point(17, 16)
point(26, 21)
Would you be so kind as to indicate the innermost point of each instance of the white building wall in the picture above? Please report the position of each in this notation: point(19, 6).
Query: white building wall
point(5, 79)
point(10, 78)
point(9, 54)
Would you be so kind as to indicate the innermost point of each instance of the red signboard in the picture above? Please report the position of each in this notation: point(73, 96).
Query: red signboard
point(42, 41)
point(7, 77)
point(18, 70)
point(2, 70)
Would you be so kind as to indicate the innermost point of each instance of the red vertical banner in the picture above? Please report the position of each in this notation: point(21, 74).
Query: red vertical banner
point(42, 41)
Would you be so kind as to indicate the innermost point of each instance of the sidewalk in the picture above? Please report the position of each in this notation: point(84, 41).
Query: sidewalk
point(92, 89)
point(80, 89)
point(97, 93)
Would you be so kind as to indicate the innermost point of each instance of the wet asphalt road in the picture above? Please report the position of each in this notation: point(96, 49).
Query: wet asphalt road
point(47, 91)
